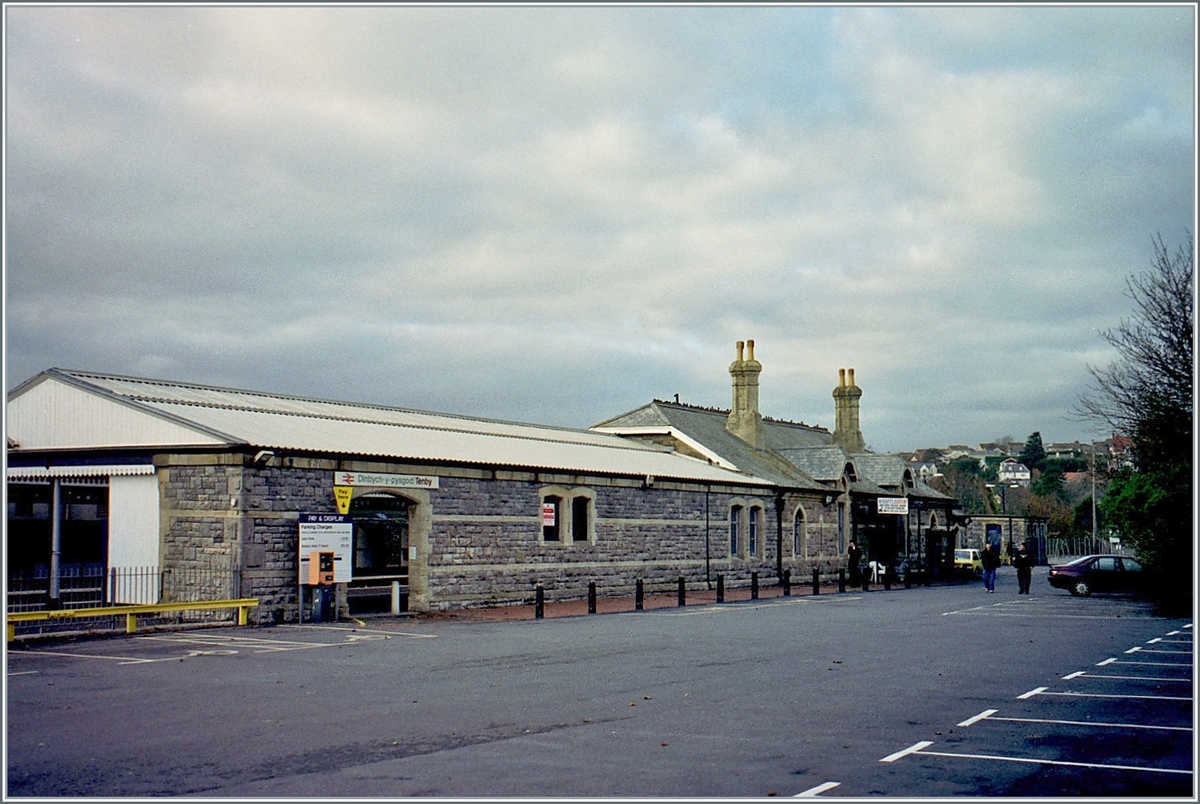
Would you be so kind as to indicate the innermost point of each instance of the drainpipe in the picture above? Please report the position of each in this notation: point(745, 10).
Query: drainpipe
point(55, 543)
point(779, 537)
point(707, 569)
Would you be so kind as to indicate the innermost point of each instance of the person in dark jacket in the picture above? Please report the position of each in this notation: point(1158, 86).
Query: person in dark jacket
point(1024, 564)
point(854, 559)
point(991, 562)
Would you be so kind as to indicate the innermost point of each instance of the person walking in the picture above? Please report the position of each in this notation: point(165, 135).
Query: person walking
point(853, 560)
point(1024, 564)
point(991, 562)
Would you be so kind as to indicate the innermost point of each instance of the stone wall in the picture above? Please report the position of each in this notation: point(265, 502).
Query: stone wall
point(478, 536)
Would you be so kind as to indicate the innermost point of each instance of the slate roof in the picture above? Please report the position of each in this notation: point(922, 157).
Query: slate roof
point(704, 428)
point(796, 455)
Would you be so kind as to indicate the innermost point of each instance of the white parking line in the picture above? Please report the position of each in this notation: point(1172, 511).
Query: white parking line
point(1090, 723)
point(912, 749)
point(816, 791)
point(919, 749)
point(1107, 662)
point(120, 659)
point(986, 713)
point(1082, 674)
point(1070, 694)
point(1036, 691)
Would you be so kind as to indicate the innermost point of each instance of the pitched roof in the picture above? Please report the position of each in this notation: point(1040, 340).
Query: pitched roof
point(703, 429)
point(72, 410)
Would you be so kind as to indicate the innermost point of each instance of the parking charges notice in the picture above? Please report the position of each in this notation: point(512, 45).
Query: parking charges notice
point(329, 533)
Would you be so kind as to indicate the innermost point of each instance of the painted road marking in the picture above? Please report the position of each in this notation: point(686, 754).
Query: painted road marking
point(259, 645)
point(1070, 694)
point(1040, 614)
point(912, 749)
point(1144, 664)
point(1082, 674)
point(971, 721)
point(988, 714)
point(1036, 691)
point(118, 659)
point(345, 629)
point(818, 790)
point(920, 747)
point(24, 673)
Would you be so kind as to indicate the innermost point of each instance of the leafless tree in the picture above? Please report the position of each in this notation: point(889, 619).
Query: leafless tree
point(1147, 392)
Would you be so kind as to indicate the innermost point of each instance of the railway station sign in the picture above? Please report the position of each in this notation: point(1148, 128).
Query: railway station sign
point(892, 505)
point(384, 480)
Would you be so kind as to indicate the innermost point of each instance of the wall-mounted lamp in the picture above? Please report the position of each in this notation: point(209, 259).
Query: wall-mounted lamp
point(262, 457)
point(828, 499)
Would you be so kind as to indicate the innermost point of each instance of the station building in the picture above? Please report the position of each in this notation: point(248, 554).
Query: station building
point(232, 487)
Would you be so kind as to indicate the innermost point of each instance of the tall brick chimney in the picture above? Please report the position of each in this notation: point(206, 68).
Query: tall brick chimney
point(744, 420)
point(846, 433)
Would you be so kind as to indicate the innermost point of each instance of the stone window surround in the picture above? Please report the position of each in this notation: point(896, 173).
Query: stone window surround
point(566, 514)
point(739, 527)
point(799, 532)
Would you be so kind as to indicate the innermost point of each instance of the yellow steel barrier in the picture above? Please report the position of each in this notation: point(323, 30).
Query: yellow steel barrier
point(130, 612)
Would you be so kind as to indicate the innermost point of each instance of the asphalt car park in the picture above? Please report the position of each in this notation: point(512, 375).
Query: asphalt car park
point(1121, 726)
point(930, 691)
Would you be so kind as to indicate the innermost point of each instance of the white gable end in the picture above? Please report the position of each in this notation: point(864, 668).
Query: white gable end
point(52, 414)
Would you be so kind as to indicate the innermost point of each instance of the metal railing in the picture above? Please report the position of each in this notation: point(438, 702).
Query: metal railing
point(123, 586)
point(1064, 549)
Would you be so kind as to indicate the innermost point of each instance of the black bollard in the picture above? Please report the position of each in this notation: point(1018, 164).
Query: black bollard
point(866, 587)
point(682, 592)
point(816, 580)
point(591, 597)
point(887, 580)
point(539, 605)
point(907, 578)
point(720, 588)
point(787, 583)
point(754, 586)
point(841, 580)
point(639, 598)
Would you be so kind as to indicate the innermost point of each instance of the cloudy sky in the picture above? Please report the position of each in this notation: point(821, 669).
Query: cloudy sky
point(559, 214)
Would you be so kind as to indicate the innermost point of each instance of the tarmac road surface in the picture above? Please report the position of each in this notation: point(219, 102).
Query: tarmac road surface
point(932, 691)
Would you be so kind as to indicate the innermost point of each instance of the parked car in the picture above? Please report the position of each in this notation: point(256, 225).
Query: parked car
point(1097, 573)
point(968, 560)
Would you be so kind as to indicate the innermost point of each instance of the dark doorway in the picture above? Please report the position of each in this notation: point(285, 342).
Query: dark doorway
point(380, 552)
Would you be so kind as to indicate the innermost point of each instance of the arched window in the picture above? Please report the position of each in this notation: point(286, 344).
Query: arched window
point(752, 541)
point(567, 516)
point(799, 533)
point(735, 526)
point(552, 509)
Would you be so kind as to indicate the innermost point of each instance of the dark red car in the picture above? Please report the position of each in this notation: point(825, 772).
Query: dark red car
point(1097, 574)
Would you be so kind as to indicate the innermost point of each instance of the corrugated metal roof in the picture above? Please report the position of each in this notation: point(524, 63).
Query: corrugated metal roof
point(286, 423)
point(104, 470)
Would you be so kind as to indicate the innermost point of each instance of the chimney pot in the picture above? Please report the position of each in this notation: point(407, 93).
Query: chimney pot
point(852, 376)
point(841, 377)
point(750, 350)
point(740, 346)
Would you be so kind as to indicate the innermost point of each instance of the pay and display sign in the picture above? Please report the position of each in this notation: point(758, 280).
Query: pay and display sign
point(328, 533)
